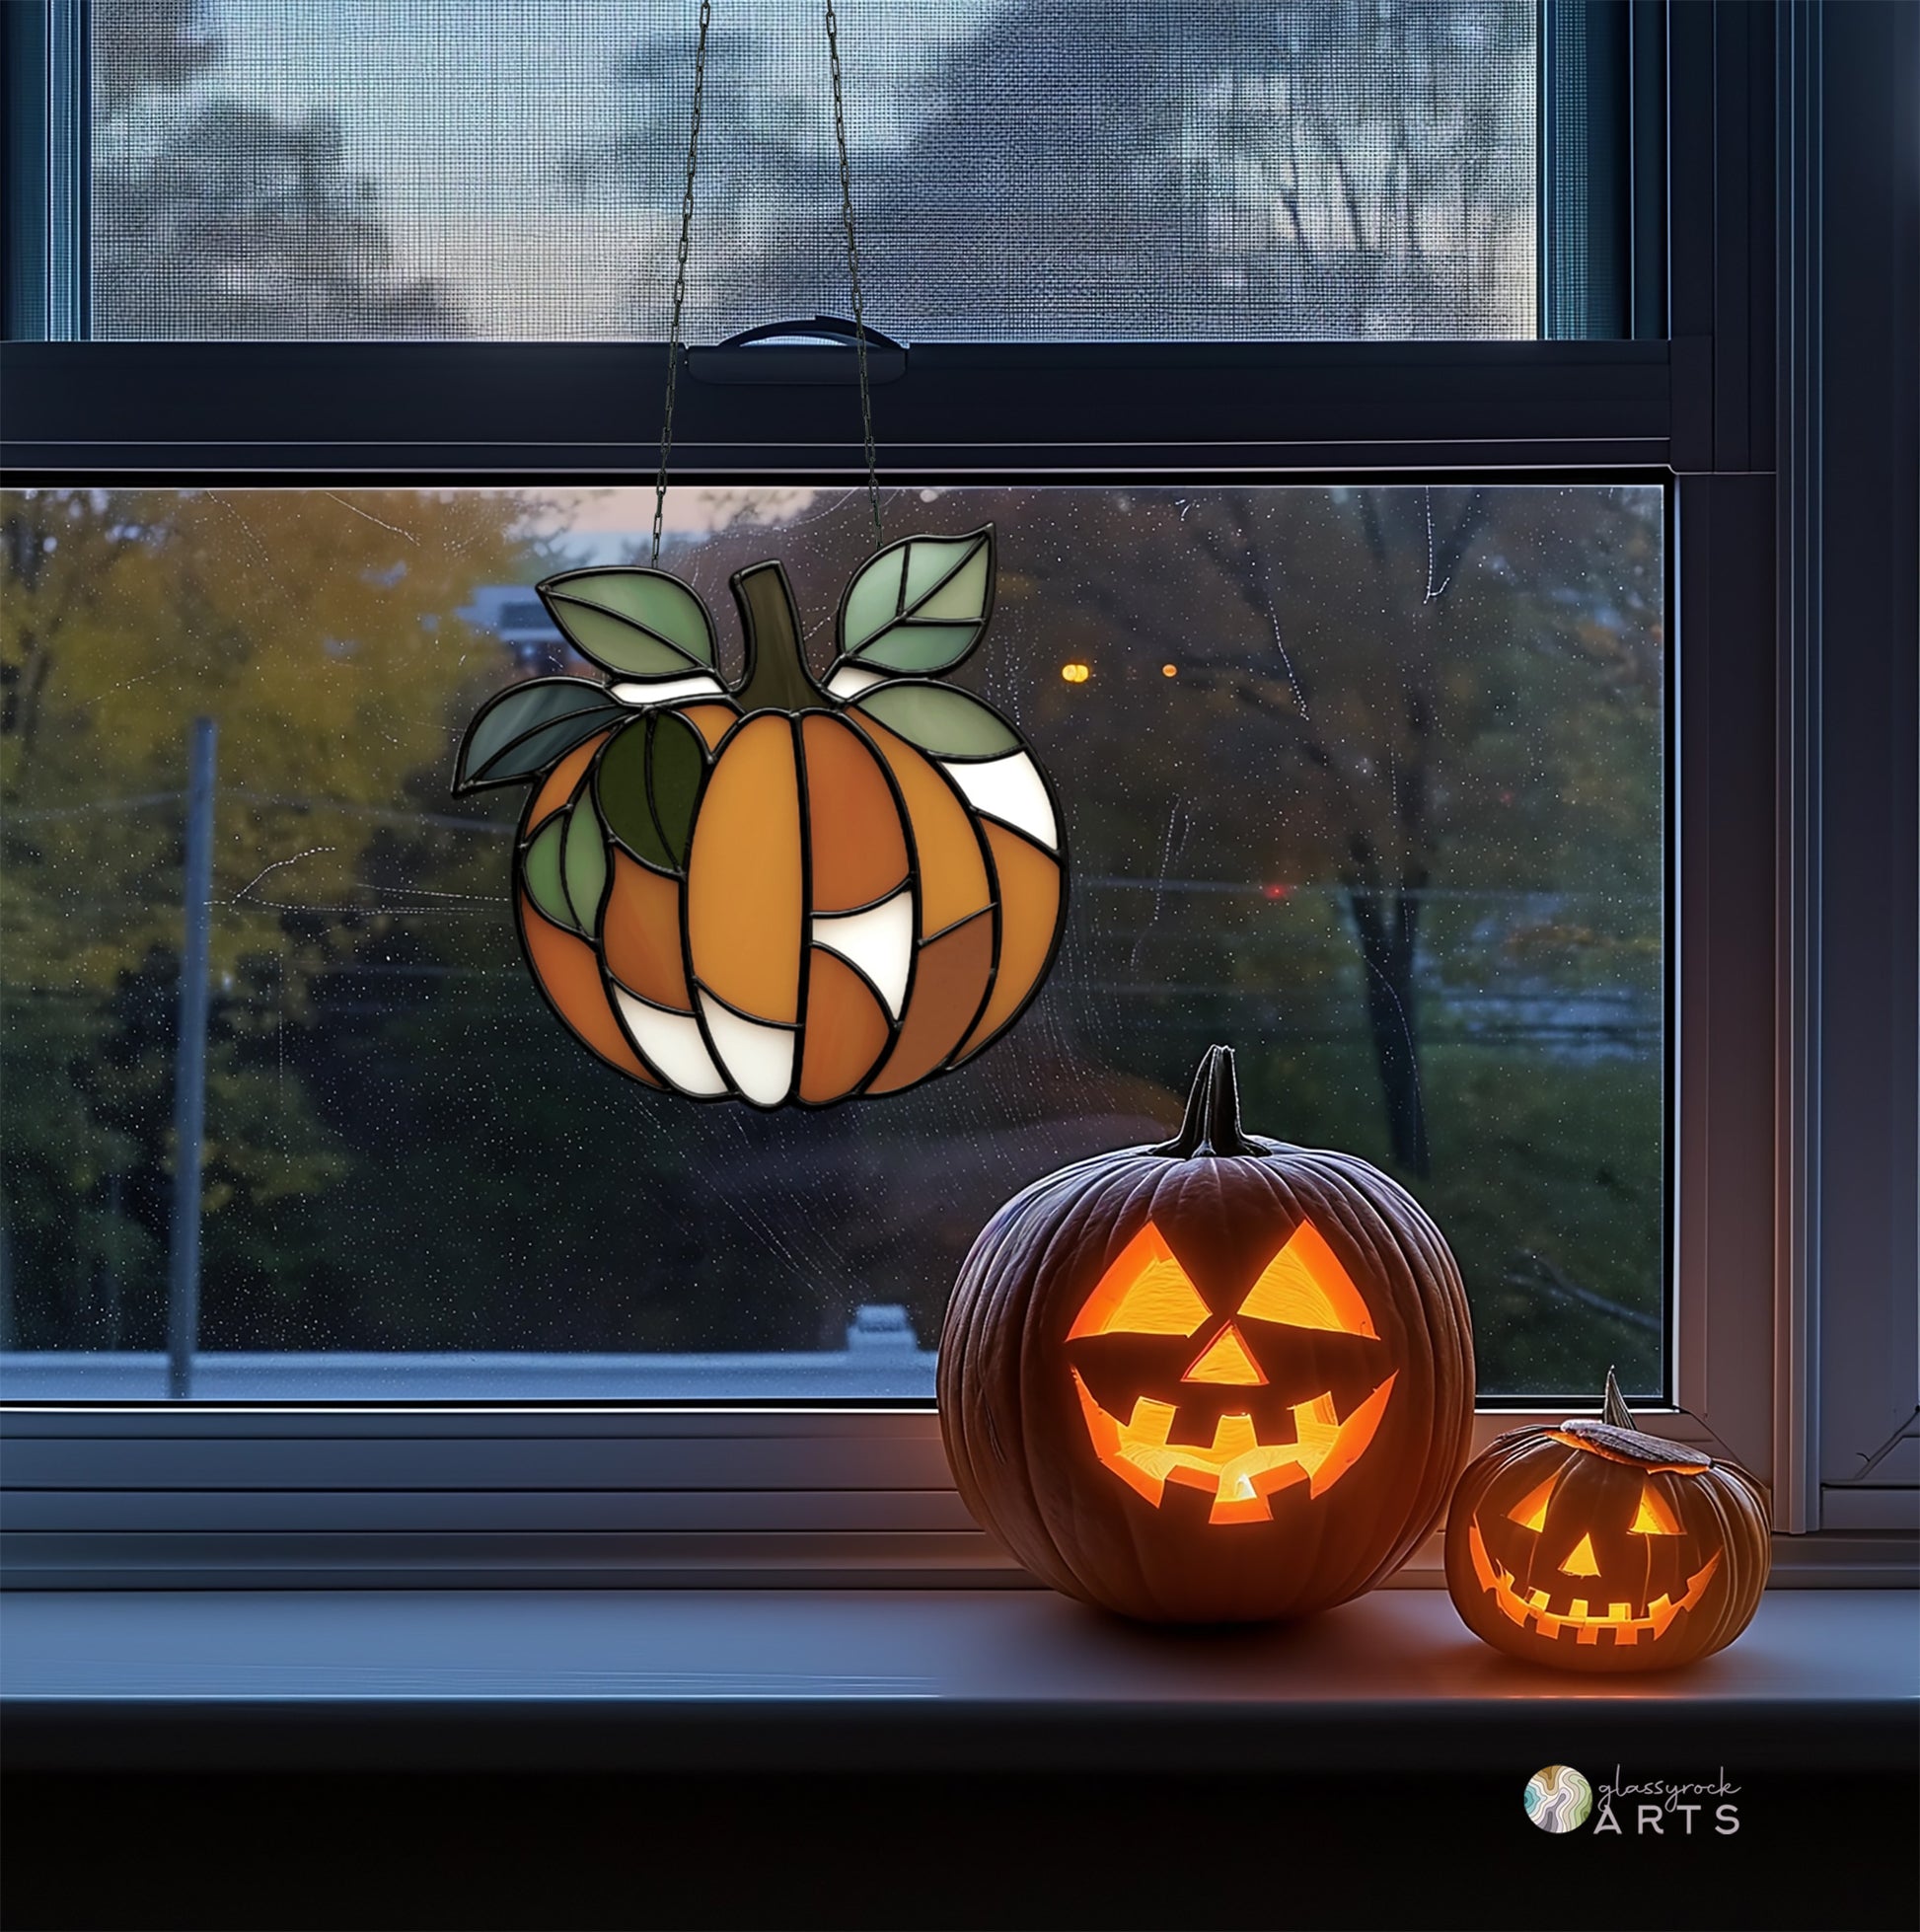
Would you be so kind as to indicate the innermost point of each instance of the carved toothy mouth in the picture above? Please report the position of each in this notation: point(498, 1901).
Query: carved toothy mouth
point(1588, 1625)
point(1237, 1468)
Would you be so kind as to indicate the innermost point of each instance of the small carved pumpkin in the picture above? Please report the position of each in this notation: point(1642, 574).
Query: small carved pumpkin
point(1214, 1380)
point(779, 891)
point(1594, 1546)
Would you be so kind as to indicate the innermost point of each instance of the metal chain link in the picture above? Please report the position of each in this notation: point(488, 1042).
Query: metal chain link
point(854, 275)
point(680, 270)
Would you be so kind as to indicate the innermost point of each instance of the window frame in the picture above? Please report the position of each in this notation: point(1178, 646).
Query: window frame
point(853, 1496)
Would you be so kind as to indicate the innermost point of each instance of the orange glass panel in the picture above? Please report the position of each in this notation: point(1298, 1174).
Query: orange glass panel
point(1583, 1562)
point(1226, 1361)
point(1655, 1516)
point(711, 721)
point(1029, 894)
point(743, 875)
point(1145, 1292)
point(1531, 1512)
point(557, 785)
point(1305, 1287)
point(952, 872)
point(846, 1030)
point(857, 848)
point(949, 979)
point(570, 971)
point(640, 934)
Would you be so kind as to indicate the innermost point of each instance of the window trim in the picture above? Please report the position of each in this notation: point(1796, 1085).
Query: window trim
point(1702, 406)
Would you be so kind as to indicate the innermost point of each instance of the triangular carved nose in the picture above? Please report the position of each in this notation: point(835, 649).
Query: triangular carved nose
point(1583, 1562)
point(1225, 1360)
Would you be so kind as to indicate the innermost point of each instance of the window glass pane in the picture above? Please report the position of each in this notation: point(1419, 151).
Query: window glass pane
point(1329, 169)
point(1366, 781)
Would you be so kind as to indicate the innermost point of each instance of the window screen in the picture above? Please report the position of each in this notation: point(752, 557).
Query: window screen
point(1071, 170)
point(1367, 783)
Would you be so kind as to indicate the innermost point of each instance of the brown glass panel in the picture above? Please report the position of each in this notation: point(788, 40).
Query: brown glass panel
point(856, 847)
point(949, 977)
point(744, 911)
point(846, 1030)
point(558, 785)
point(1029, 894)
point(570, 971)
point(952, 872)
point(640, 934)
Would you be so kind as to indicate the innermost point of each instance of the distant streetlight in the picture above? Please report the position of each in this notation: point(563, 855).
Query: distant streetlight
point(1075, 673)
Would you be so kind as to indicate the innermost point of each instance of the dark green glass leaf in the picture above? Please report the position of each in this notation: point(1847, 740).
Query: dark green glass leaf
point(679, 764)
point(921, 605)
point(542, 870)
point(528, 727)
point(584, 863)
point(640, 624)
point(939, 719)
point(620, 790)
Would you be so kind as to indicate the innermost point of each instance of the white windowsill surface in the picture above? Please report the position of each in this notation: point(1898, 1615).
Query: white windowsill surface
point(538, 1678)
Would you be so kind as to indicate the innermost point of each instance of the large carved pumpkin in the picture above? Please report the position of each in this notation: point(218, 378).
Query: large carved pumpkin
point(1214, 1380)
point(1594, 1546)
point(781, 892)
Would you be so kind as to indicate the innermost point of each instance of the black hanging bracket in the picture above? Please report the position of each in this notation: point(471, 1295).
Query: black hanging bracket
point(820, 350)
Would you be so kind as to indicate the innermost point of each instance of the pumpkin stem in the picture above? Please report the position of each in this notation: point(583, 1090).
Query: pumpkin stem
point(777, 677)
point(1213, 1121)
point(1613, 1407)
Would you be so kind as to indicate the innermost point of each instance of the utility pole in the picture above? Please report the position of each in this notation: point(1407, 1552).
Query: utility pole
point(189, 1070)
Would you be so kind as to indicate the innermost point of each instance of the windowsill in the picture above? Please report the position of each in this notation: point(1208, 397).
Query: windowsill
point(767, 1679)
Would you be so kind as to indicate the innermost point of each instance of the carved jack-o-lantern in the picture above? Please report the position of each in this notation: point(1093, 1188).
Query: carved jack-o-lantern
point(1217, 1379)
point(1594, 1546)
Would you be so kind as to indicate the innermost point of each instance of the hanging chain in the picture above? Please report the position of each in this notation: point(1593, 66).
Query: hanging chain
point(680, 272)
point(853, 273)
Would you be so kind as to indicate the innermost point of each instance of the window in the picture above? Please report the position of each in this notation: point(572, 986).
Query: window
point(1367, 780)
point(1535, 299)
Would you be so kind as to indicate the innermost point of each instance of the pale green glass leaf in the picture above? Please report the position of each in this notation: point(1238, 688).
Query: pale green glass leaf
point(528, 727)
point(896, 602)
point(963, 596)
point(931, 561)
point(872, 598)
point(584, 863)
point(541, 871)
point(642, 623)
point(937, 718)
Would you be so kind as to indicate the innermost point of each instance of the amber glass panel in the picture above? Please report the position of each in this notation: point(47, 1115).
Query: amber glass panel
point(641, 934)
point(560, 781)
point(1029, 891)
point(846, 1030)
point(711, 721)
point(949, 978)
point(953, 873)
point(744, 875)
point(571, 974)
point(857, 850)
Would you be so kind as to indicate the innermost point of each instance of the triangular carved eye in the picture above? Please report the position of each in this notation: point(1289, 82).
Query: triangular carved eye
point(1145, 1292)
point(1531, 1512)
point(1305, 1287)
point(1656, 1516)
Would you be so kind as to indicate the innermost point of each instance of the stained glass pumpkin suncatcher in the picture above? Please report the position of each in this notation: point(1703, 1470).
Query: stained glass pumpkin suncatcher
point(778, 891)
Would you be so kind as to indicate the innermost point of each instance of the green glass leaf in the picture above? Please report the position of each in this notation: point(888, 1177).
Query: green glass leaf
point(640, 624)
point(921, 605)
point(528, 727)
point(620, 791)
point(939, 719)
point(679, 764)
point(583, 864)
point(543, 871)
